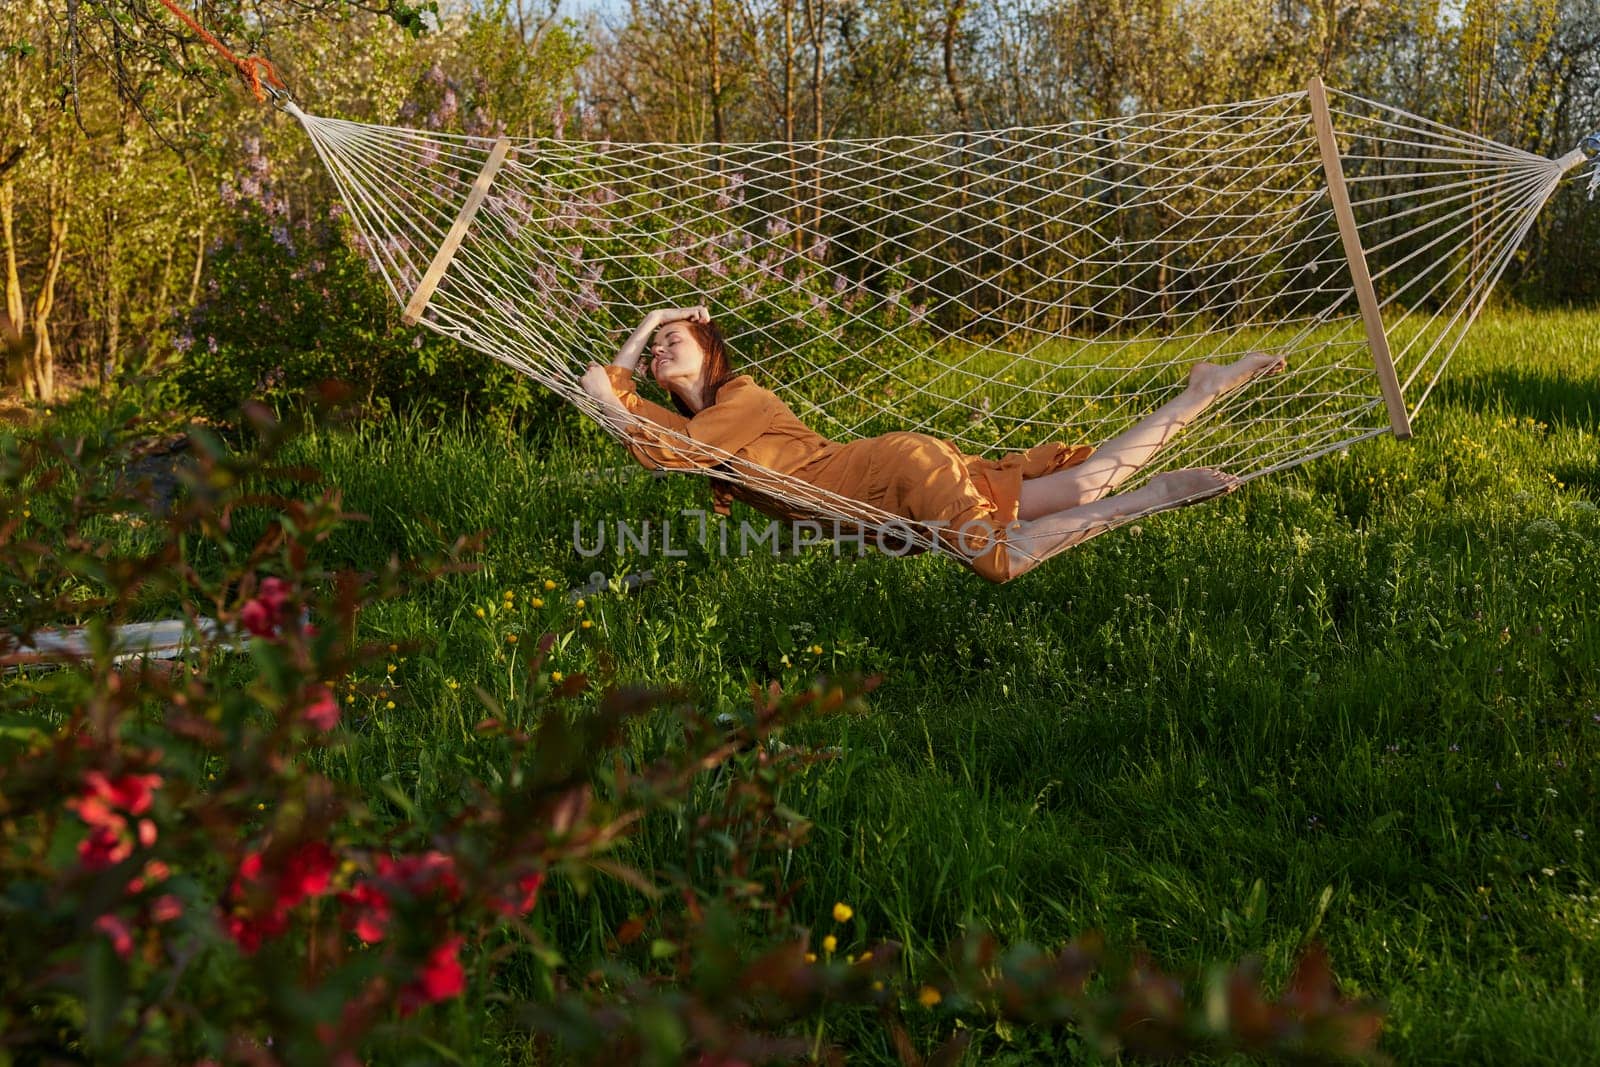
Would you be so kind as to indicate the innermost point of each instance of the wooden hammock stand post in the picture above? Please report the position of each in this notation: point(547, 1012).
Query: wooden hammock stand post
point(452, 240)
point(1360, 276)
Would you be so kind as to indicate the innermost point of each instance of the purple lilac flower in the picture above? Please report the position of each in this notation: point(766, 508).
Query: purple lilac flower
point(445, 114)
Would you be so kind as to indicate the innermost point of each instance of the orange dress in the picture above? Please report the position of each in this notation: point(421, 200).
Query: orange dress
point(973, 500)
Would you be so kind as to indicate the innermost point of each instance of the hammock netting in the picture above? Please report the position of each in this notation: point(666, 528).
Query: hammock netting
point(997, 289)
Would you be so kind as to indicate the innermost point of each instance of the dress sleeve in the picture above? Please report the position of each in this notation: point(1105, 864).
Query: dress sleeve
point(739, 416)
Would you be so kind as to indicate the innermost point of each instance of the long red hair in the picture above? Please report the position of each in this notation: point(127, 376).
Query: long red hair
point(715, 371)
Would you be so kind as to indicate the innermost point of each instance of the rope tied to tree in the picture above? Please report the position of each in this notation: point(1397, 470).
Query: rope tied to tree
point(1590, 147)
point(257, 71)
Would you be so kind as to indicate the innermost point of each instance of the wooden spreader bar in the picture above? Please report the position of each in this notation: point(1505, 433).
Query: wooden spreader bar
point(1360, 276)
point(458, 230)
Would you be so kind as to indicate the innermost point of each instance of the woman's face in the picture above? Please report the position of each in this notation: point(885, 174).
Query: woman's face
point(676, 358)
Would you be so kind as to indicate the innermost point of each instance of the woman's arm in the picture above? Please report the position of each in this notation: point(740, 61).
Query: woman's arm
point(633, 347)
point(597, 383)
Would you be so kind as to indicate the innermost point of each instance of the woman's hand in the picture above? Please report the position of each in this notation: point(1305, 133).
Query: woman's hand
point(628, 355)
point(597, 383)
point(698, 313)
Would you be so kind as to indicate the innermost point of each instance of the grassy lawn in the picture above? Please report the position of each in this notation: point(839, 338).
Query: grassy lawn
point(1357, 702)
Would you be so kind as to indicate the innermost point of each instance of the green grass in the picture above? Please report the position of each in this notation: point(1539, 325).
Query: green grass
point(1358, 701)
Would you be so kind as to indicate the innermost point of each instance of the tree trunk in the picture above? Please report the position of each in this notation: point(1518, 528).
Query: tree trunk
point(958, 97)
point(16, 310)
point(795, 213)
point(110, 296)
point(43, 368)
point(719, 130)
point(816, 13)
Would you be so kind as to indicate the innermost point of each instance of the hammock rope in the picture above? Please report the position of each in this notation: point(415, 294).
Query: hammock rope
point(998, 289)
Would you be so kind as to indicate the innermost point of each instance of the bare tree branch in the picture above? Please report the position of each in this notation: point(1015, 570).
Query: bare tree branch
point(12, 159)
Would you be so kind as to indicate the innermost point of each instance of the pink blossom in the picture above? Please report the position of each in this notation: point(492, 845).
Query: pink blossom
point(263, 615)
point(369, 911)
point(429, 872)
point(117, 930)
point(322, 711)
point(526, 896)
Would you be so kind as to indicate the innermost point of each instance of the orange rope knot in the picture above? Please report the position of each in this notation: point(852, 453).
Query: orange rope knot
point(252, 69)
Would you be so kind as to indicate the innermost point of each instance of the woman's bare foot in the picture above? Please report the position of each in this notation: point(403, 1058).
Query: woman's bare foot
point(1213, 380)
point(1189, 486)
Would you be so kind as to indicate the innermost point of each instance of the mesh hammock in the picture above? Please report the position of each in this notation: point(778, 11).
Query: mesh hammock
point(997, 289)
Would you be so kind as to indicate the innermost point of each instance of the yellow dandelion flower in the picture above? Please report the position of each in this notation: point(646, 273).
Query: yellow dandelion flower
point(390, 705)
point(850, 959)
point(511, 639)
point(507, 595)
point(389, 669)
point(811, 957)
point(454, 684)
point(556, 676)
point(842, 912)
point(585, 624)
point(580, 604)
point(928, 996)
point(479, 613)
point(830, 943)
point(864, 957)
point(350, 699)
point(548, 585)
point(394, 648)
point(816, 650)
point(538, 602)
point(261, 807)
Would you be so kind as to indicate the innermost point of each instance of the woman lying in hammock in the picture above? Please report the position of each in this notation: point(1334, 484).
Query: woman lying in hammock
point(1003, 515)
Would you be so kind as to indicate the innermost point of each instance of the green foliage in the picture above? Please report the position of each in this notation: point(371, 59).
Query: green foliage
point(287, 307)
point(1355, 683)
point(202, 860)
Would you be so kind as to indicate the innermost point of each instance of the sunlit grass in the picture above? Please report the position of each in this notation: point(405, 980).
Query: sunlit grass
point(1356, 701)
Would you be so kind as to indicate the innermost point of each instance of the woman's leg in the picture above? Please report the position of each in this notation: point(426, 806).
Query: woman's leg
point(1030, 541)
point(1122, 456)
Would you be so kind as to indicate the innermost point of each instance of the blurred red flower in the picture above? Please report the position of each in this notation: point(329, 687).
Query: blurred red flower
point(306, 871)
point(440, 978)
point(264, 614)
point(117, 930)
point(322, 711)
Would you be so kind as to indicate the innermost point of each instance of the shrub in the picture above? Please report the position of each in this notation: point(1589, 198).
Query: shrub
point(287, 303)
point(183, 879)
